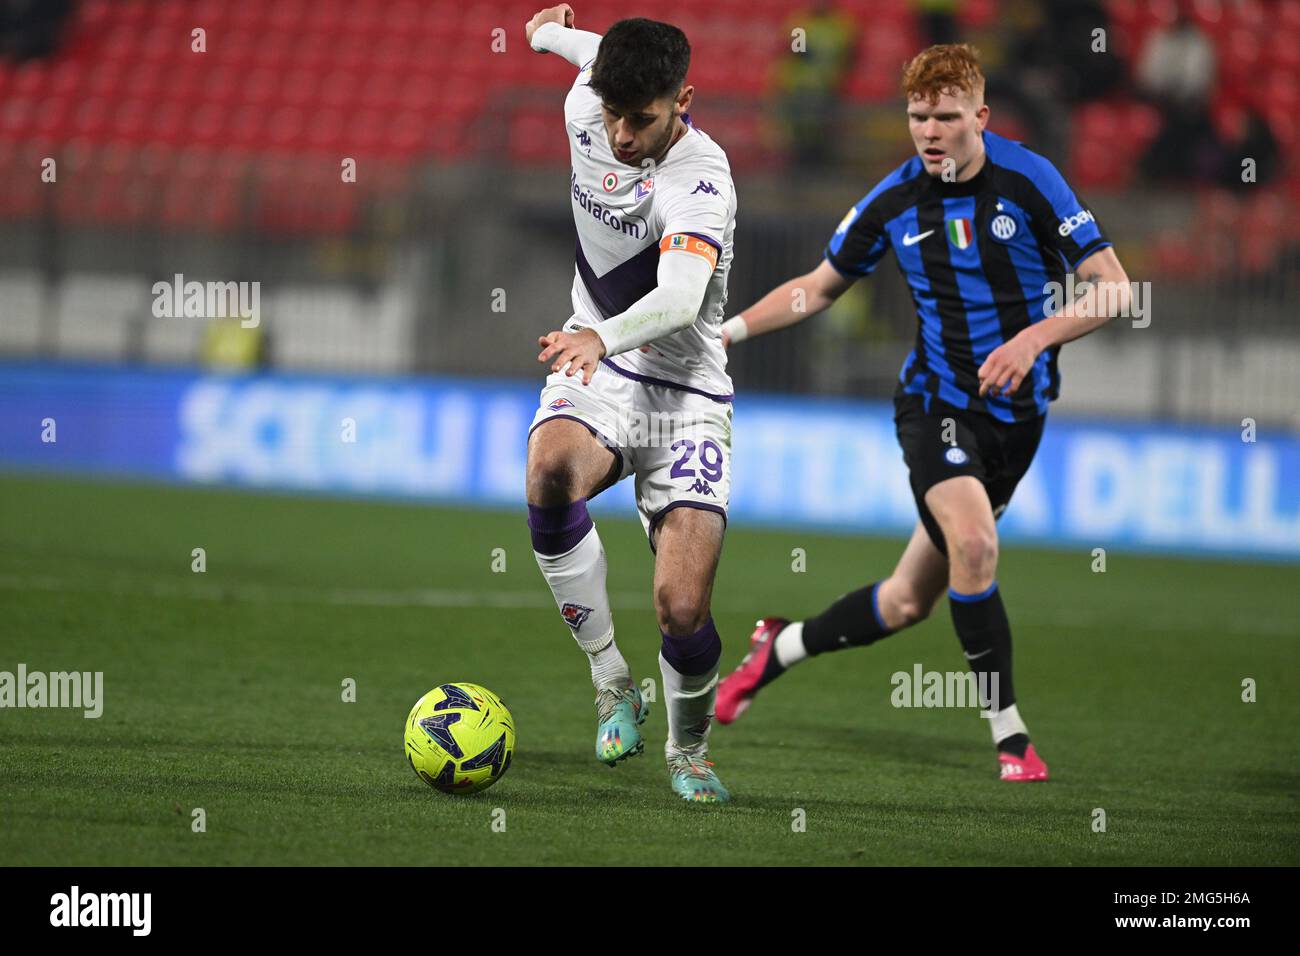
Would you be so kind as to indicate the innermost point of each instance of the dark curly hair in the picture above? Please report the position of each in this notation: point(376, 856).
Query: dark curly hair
point(639, 61)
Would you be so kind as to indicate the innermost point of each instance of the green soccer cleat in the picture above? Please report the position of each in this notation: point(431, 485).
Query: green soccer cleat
point(620, 710)
point(692, 776)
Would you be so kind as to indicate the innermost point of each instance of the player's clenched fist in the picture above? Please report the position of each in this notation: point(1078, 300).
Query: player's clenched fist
point(562, 14)
point(580, 350)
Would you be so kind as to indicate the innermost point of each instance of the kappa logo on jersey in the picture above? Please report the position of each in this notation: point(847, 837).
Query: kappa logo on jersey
point(1080, 218)
point(575, 615)
point(706, 188)
point(584, 141)
point(559, 403)
point(956, 456)
point(643, 188)
point(701, 487)
point(960, 232)
point(1003, 227)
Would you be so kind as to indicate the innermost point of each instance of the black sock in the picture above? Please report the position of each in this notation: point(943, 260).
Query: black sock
point(852, 621)
point(773, 668)
point(1016, 745)
point(985, 635)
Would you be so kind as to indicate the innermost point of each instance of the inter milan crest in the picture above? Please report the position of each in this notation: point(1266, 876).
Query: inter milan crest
point(1003, 227)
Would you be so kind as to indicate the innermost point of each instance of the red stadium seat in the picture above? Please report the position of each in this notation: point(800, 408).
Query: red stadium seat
point(533, 140)
point(405, 80)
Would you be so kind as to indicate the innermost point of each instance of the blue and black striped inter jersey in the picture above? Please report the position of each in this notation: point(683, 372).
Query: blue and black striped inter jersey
point(978, 257)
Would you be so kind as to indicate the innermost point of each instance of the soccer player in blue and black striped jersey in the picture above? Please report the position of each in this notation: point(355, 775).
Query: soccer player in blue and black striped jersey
point(985, 232)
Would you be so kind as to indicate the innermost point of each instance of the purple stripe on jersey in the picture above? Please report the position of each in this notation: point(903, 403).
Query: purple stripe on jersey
point(619, 288)
point(694, 654)
point(558, 530)
point(651, 380)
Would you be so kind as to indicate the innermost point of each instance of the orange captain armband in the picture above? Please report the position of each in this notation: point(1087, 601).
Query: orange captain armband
point(685, 242)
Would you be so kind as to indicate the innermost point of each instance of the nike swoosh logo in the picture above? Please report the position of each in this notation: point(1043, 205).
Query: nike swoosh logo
point(975, 657)
point(913, 240)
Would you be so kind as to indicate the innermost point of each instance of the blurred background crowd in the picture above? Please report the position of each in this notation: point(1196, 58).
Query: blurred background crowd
point(207, 138)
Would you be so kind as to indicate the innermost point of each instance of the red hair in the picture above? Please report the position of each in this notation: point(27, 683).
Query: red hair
point(946, 68)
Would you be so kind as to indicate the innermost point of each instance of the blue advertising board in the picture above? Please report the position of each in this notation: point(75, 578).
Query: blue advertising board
point(797, 461)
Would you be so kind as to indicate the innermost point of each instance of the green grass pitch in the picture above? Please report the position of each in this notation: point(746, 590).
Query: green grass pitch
point(223, 691)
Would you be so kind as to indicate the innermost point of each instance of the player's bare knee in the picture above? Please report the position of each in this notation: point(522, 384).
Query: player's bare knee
point(909, 609)
point(681, 611)
point(976, 551)
point(552, 480)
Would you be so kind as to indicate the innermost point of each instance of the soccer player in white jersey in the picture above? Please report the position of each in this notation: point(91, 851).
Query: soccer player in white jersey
point(638, 382)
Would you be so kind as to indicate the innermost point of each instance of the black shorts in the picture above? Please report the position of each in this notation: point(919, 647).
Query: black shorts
point(997, 453)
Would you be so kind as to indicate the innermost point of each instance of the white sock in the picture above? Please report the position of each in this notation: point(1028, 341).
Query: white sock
point(608, 668)
point(689, 701)
point(577, 581)
point(1007, 722)
point(789, 647)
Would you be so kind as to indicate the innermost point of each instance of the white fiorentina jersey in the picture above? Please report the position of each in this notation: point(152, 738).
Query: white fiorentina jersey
point(621, 215)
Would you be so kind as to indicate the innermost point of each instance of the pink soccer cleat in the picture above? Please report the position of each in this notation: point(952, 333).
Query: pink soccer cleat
point(737, 690)
point(1021, 769)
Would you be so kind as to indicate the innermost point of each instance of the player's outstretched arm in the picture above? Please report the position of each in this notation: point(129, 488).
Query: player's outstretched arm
point(1104, 292)
point(551, 31)
point(671, 306)
point(787, 304)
